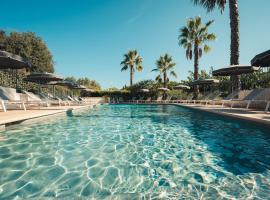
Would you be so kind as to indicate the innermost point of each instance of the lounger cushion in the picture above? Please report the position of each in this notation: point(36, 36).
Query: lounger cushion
point(32, 97)
point(9, 94)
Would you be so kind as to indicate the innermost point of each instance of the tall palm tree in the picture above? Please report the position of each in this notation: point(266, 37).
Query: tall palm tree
point(165, 66)
point(234, 23)
point(194, 38)
point(132, 61)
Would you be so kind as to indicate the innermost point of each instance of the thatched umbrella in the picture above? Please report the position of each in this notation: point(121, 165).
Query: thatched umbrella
point(262, 59)
point(235, 70)
point(78, 87)
point(63, 83)
point(43, 78)
point(180, 87)
point(164, 89)
point(89, 90)
point(13, 62)
point(145, 90)
point(205, 82)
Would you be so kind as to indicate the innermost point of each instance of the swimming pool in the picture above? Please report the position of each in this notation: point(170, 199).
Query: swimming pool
point(136, 151)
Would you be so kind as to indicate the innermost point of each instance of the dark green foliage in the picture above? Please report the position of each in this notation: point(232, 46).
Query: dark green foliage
point(30, 47)
point(90, 84)
point(132, 61)
point(165, 67)
point(209, 5)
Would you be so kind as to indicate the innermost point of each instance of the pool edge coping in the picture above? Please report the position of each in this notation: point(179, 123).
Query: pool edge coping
point(37, 116)
point(229, 115)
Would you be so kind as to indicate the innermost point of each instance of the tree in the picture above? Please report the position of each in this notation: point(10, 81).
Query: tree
point(234, 23)
point(30, 47)
point(91, 84)
point(71, 79)
point(165, 67)
point(132, 61)
point(194, 38)
point(2, 39)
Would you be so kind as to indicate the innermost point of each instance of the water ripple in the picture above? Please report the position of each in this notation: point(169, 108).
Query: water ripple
point(135, 152)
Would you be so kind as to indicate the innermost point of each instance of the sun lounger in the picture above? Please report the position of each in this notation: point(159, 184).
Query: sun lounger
point(35, 100)
point(258, 98)
point(158, 100)
point(189, 99)
point(139, 100)
point(208, 98)
point(237, 94)
point(148, 100)
point(244, 100)
point(10, 99)
point(167, 100)
point(132, 100)
point(53, 101)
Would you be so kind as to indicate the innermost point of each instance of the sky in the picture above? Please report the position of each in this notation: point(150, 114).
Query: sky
point(89, 37)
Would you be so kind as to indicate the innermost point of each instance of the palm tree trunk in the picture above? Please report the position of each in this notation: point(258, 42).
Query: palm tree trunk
point(234, 23)
point(165, 80)
point(196, 70)
point(131, 75)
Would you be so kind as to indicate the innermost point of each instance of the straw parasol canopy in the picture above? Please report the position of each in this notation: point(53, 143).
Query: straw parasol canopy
point(78, 87)
point(262, 59)
point(179, 87)
point(64, 83)
point(164, 89)
point(204, 82)
point(43, 78)
point(235, 70)
point(89, 90)
point(145, 90)
point(12, 61)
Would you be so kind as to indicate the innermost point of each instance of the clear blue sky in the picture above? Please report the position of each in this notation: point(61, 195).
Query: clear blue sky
point(89, 37)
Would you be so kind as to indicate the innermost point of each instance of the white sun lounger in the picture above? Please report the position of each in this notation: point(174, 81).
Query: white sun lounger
point(10, 99)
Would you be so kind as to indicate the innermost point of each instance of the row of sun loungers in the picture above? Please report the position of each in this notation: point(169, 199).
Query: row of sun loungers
point(11, 99)
point(256, 98)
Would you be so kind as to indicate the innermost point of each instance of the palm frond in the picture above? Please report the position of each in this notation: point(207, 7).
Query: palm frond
point(124, 68)
point(154, 70)
point(173, 73)
point(158, 78)
point(206, 48)
point(211, 4)
point(200, 52)
point(139, 68)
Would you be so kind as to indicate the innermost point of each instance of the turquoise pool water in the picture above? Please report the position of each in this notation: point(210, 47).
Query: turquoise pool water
point(135, 152)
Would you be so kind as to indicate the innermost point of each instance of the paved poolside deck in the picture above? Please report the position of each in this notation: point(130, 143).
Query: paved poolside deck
point(17, 116)
point(238, 113)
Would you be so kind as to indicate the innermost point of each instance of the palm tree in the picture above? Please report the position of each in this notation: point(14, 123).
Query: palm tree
point(234, 23)
point(132, 61)
point(193, 37)
point(165, 66)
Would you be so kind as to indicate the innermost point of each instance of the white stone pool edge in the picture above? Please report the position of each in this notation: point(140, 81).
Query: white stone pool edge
point(21, 117)
point(259, 117)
